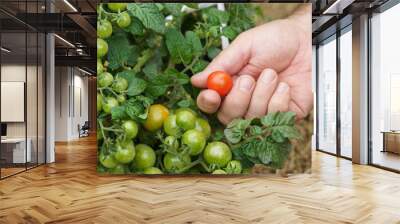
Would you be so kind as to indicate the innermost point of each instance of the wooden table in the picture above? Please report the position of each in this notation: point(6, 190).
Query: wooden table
point(391, 141)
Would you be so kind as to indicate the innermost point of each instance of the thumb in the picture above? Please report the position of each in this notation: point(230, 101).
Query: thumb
point(231, 60)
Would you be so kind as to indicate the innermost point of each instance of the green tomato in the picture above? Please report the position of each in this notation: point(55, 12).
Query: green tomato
point(102, 48)
point(185, 118)
point(175, 163)
point(109, 103)
point(107, 161)
point(124, 20)
point(117, 7)
point(125, 152)
point(105, 79)
point(172, 142)
point(120, 85)
point(203, 126)
point(170, 126)
point(234, 167)
point(219, 172)
point(121, 98)
point(119, 169)
point(152, 170)
point(145, 157)
point(217, 153)
point(104, 29)
point(195, 140)
point(130, 128)
point(99, 102)
point(100, 67)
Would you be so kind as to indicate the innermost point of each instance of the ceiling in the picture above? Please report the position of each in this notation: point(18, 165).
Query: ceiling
point(74, 22)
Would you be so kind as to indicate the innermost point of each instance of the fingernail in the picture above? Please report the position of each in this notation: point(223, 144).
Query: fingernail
point(267, 77)
point(282, 87)
point(246, 83)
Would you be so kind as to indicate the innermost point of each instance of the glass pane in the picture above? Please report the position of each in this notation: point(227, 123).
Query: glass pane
point(327, 97)
point(386, 89)
point(346, 94)
point(13, 86)
point(32, 96)
point(41, 99)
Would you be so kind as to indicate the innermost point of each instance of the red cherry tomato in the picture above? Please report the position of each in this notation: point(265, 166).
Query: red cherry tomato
point(220, 81)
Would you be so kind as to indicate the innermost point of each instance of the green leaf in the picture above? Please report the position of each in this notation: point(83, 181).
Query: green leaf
point(133, 55)
point(174, 8)
point(214, 16)
point(178, 47)
point(212, 52)
point(178, 77)
point(229, 32)
point(236, 129)
point(239, 155)
point(286, 118)
point(136, 27)
point(194, 41)
point(118, 113)
point(137, 107)
point(279, 153)
point(199, 66)
point(156, 91)
point(119, 50)
point(185, 103)
point(136, 86)
point(149, 15)
point(255, 130)
point(288, 132)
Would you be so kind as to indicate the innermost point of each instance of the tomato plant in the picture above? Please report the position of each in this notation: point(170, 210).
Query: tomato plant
point(220, 81)
point(148, 121)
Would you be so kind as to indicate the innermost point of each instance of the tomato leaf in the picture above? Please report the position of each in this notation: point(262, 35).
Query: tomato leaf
point(149, 15)
point(178, 46)
point(194, 41)
point(119, 50)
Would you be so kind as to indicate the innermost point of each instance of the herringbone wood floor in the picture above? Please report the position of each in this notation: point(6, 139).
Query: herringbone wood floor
point(70, 191)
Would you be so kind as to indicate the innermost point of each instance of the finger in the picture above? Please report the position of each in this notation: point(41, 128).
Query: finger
point(230, 60)
point(208, 101)
point(237, 101)
point(280, 99)
point(262, 94)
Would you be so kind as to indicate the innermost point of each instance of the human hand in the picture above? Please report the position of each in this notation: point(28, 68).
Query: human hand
point(271, 68)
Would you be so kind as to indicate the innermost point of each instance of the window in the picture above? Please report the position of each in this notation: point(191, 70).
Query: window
point(346, 92)
point(385, 89)
point(327, 96)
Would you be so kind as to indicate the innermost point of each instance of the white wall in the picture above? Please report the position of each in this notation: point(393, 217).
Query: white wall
point(70, 82)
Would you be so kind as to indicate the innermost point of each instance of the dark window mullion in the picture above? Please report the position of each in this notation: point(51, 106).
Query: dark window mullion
point(338, 77)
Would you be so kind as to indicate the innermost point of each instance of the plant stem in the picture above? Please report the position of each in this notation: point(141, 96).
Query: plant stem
point(146, 55)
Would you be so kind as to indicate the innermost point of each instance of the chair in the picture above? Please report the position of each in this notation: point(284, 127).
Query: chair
point(84, 130)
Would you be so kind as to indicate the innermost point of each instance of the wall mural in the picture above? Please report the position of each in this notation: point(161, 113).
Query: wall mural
point(209, 88)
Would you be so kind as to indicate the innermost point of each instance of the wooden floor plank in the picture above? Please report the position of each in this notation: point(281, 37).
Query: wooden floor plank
point(70, 191)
